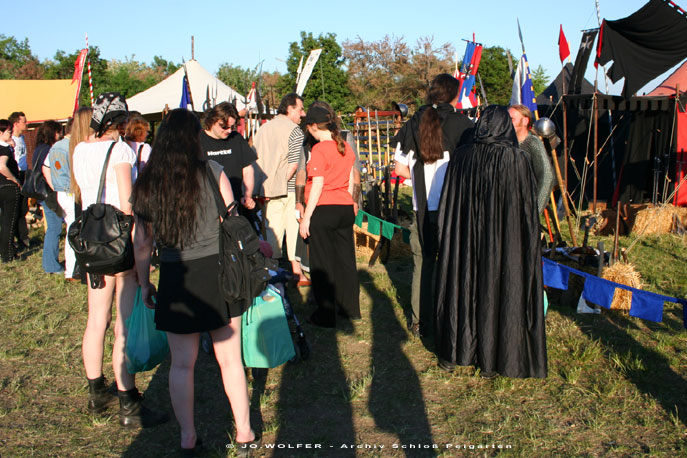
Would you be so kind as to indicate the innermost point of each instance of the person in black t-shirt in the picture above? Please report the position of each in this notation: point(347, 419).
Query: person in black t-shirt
point(219, 142)
point(9, 193)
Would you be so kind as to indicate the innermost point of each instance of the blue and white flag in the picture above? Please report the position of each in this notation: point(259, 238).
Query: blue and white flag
point(523, 89)
point(185, 96)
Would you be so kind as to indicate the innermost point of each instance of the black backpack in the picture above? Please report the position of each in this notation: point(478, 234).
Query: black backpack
point(244, 270)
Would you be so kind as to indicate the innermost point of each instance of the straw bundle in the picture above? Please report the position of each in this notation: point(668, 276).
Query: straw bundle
point(625, 274)
point(654, 220)
point(365, 243)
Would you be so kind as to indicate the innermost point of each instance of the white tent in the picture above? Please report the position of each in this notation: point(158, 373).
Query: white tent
point(206, 91)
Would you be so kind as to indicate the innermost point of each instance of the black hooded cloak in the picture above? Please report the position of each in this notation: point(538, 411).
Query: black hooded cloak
point(490, 310)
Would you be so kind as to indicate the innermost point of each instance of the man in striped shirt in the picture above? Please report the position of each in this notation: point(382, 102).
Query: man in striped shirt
point(278, 144)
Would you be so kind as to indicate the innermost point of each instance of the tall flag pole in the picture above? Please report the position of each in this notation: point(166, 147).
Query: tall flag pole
point(90, 76)
point(522, 43)
point(523, 88)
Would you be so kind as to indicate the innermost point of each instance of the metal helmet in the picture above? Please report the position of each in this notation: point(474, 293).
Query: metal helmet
point(544, 127)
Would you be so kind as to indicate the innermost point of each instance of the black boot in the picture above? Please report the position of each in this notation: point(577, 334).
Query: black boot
point(100, 397)
point(132, 412)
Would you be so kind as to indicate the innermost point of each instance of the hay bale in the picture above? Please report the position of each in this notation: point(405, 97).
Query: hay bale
point(625, 274)
point(365, 243)
point(654, 220)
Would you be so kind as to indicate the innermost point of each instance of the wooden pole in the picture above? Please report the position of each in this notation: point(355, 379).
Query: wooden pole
point(379, 144)
point(614, 258)
point(564, 192)
point(370, 157)
point(595, 106)
point(565, 147)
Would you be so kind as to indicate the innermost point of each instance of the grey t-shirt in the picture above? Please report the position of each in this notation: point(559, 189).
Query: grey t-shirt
point(206, 240)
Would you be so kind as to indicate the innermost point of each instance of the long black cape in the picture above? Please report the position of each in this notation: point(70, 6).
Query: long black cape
point(490, 309)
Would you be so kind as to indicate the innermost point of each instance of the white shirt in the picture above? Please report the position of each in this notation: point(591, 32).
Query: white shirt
point(434, 176)
point(20, 152)
point(87, 164)
point(145, 152)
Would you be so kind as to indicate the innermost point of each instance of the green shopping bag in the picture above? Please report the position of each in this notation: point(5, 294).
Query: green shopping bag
point(265, 335)
point(146, 347)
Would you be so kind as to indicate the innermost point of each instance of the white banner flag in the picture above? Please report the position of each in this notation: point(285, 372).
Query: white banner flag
point(307, 70)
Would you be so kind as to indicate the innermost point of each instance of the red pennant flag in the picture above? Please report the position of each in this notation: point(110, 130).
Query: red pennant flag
point(78, 65)
point(563, 48)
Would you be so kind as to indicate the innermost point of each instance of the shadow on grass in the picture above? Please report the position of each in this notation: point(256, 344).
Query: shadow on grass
point(212, 412)
point(396, 401)
point(656, 378)
point(314, 407)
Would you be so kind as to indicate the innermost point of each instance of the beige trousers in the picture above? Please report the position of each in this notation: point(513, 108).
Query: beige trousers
point(280, 215)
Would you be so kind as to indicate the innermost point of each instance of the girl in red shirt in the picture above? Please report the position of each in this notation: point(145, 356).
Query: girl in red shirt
point(328, 221)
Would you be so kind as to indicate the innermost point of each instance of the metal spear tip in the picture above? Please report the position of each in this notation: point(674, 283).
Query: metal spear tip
point(544, 127)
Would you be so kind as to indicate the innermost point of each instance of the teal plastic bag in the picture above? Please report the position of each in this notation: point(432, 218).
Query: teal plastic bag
point(546, 303)
point(265, 336)
point(146, 347)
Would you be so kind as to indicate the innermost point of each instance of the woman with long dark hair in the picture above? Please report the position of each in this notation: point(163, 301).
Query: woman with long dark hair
point(328, 221)
point(173, 203)
point(10, 196)
point(48, 133)
point(423, 148)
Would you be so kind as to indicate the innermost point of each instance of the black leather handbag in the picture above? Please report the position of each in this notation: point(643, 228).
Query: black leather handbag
point(101, 236)
point(35, 186)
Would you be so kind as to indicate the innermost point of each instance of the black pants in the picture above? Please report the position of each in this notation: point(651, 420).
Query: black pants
point(9, 207)
point(332, 264)
point(22, 228)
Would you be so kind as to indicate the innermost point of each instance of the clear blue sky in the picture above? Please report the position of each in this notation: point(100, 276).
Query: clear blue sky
point(244, 33)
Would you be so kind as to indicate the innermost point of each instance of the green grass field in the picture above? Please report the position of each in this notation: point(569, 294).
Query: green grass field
point(617, 385)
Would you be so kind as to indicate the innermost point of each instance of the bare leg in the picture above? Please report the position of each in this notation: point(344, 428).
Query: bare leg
point(184, 348)
point(227, 343)
point(297, 272)
point(99, 316)
point(125, 293)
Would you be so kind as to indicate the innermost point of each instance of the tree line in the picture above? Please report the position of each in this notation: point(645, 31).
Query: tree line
point(354, 73)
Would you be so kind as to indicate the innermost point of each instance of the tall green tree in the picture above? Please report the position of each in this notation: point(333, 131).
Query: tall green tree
point(17, 61)
point(329, 80)
point(237, 77)
point(493, 69)
point(539, 79)
point(128, 77)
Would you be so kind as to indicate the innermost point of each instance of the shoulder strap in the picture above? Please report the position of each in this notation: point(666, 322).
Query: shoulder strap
point(104, 173)
point(214, 185)
point(138, 158)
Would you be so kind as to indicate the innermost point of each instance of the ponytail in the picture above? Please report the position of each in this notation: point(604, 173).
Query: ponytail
point(336, 136)
point(444, 89)
point(333, 127)
point(431, 136)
